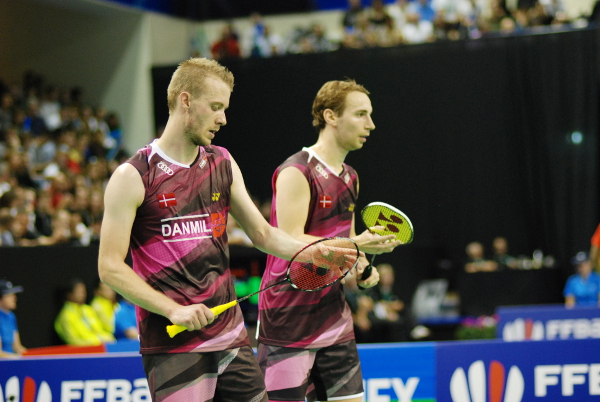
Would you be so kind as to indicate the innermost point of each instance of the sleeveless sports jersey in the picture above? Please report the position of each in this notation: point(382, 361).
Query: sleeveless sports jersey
point(179, 247)
point(293, 318)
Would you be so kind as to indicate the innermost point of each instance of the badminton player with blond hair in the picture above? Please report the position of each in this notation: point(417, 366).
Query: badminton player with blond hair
point(168, 205)
point(306, 339)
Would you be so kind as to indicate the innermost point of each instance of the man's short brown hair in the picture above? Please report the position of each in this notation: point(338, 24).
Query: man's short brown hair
point(332, 95)
point(191, 75)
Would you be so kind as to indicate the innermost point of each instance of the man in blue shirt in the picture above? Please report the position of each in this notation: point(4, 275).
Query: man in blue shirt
point(9, 334)
point(125, 321)
point(582, 288)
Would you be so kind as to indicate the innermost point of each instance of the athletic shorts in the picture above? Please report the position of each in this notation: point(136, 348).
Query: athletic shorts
point(323, 374)
point(226, 376)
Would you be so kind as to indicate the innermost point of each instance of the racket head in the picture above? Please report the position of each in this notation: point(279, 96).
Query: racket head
point(394, 221)
point(322, 263)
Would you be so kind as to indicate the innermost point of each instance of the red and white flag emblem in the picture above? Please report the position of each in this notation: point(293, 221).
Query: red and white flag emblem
point(167, 200)
point(325, 201)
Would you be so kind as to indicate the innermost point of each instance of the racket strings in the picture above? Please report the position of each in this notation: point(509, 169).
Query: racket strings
point(392, 222)
point(319, 267)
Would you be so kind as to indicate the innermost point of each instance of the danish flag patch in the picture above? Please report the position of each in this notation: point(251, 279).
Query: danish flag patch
point(325, 201)
point(166, 200)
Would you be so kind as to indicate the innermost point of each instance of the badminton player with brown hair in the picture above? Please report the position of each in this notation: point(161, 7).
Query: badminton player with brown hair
point(168, 205)
point(306, 339)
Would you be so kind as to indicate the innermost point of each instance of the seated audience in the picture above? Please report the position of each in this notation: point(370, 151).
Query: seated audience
point(77, 323)
point(125, 321)
point(10, 340)
point(583, 287)
point(105, 305)
point(476, 261)
point(401, 325)
point(501, 256)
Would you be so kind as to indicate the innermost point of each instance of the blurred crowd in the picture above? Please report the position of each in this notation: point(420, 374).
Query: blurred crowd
point(383, 24)
point(56, 155)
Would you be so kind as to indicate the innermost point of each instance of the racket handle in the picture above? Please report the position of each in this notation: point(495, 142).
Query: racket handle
point(173, 330)
point(367, 272)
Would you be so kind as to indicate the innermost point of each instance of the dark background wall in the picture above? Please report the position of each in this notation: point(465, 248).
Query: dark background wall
point(472, 137)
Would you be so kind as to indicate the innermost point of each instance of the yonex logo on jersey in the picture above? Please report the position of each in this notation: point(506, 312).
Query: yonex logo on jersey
point(166, 200)
point(325, 201)
point(321, 170)
point(216, 196)
point(493, 387)
point(351, 207)
point(162, 166)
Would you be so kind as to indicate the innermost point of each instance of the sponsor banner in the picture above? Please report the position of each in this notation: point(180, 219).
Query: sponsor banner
point(111, 377)
point(392, 372)
point(398, 372)
point(497, 371)
point(550, 322)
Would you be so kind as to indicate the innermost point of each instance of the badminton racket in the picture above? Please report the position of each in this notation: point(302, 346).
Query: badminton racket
point(393, 221)
point(318, 265)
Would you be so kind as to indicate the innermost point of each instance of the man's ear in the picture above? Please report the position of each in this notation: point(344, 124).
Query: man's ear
point(185, 100)
point(330, 117)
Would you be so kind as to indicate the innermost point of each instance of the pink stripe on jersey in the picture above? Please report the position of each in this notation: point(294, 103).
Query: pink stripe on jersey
point(293, 370)
point(157, 255)
point(201, 391)
point(222, 342)
point(338, 331)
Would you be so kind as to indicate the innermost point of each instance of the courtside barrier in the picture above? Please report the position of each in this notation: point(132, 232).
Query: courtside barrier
point(458, 371)
point(547, 322)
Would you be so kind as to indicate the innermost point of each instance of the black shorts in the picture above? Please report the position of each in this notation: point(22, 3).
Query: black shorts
point(322, 374)
point(226, 376)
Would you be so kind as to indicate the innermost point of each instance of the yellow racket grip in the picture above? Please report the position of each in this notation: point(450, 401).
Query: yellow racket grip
point(173, 330)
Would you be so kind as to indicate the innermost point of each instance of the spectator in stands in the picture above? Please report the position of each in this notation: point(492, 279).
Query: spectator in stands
point(380, 21)
point(450, 15)
point(10, 340)
point(416, 30)
point(50, 108)
point(77, 323)
point(125, 321)
point(398, 11)
point(6, 221)
point(105, 305)
point(476, 261)
point(367, 328)
point(43, 213)
point(501, 256)
point(350, 20)
point(6, 179)
point(96, 211)
point(319, 42)
point(389, 308)
point(6, 111)
point(423, 9)
point(227, 46)
point(254, 41)
point(114, 140)
point(583, 287)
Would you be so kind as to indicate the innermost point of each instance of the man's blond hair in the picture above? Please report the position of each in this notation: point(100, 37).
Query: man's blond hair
point(190, 77)
point(332, 95)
